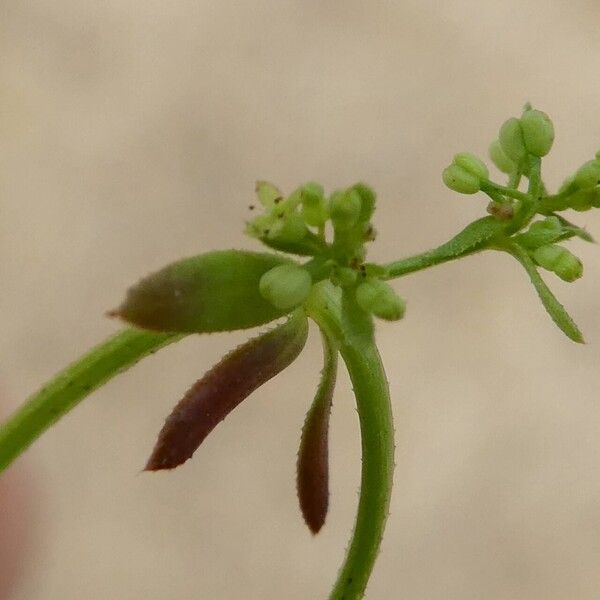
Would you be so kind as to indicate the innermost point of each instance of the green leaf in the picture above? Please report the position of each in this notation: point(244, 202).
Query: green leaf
point(217, 291)
point(554, 308)
point(574, 230)
point(313, 456)
point(472, 237)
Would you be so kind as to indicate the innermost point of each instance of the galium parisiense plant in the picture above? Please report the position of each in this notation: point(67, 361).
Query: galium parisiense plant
point(317, 270)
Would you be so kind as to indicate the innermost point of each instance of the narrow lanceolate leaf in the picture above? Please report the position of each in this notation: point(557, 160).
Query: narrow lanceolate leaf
point(313, 457)
point(229, 382)
point(217, 291)
point(473, 237)
point(573, 230)
point(554, 308)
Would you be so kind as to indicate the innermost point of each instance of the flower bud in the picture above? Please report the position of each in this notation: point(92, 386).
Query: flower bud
point(542, 233)
point(499, 158)
point(344, 209)
point(582, 200)
point(568, 185)
point(538, 132)
point(560, 261)
point(377, 297)
point(343, 276)
point(285, 286)
point(472, 164)
point(367, 198)
point(267, 193)
point(511, 140)
point(288, 227)
point(460, 180)
point(314, 205)
point(588, 175)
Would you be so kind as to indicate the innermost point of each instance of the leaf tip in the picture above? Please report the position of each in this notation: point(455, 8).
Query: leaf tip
point(159, 461)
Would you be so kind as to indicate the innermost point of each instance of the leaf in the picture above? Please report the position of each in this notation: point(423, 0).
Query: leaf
point(313, 457)
point(554, 308)
point(229, 382)
point(575, 230)
point(471, 237)
point(217, 291)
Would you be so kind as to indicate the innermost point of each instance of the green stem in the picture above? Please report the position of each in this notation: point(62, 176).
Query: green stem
point(514, 179)
point(353, 330)
point(531, 205)
point(491, 187)
point(72, 385)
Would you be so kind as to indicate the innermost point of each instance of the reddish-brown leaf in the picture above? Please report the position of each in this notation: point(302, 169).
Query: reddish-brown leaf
point(214, 396)
point(313, 456)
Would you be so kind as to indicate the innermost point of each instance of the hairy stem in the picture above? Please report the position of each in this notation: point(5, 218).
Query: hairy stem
point(353, 330)
point(418, 262)
point(72, 385)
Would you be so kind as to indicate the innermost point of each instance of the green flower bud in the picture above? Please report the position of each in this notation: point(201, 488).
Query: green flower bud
point(289, 228)
point(588, 175)
point(285, 286)
point(511, 140)
point(377, 297)
point(568, 185)
point(367, 198)
point(538, 132)
point(260, 226)
point(560, 261)
point(472, 164)
point(460, 180)
point(314, 205)
point(582, 200)
point(267, 193)
point(542, 233)
point(499, 158)
point(343, 276)
point(344, 209)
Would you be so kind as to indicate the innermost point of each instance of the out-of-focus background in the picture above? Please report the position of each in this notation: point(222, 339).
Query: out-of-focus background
point(131, 134)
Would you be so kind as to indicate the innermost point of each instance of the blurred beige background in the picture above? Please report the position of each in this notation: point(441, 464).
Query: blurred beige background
point(131, 134)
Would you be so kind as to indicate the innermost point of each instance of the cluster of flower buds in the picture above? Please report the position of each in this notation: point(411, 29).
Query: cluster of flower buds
point(517, 151)
point(298, 223)
point(282, 221)
point(530, 135)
